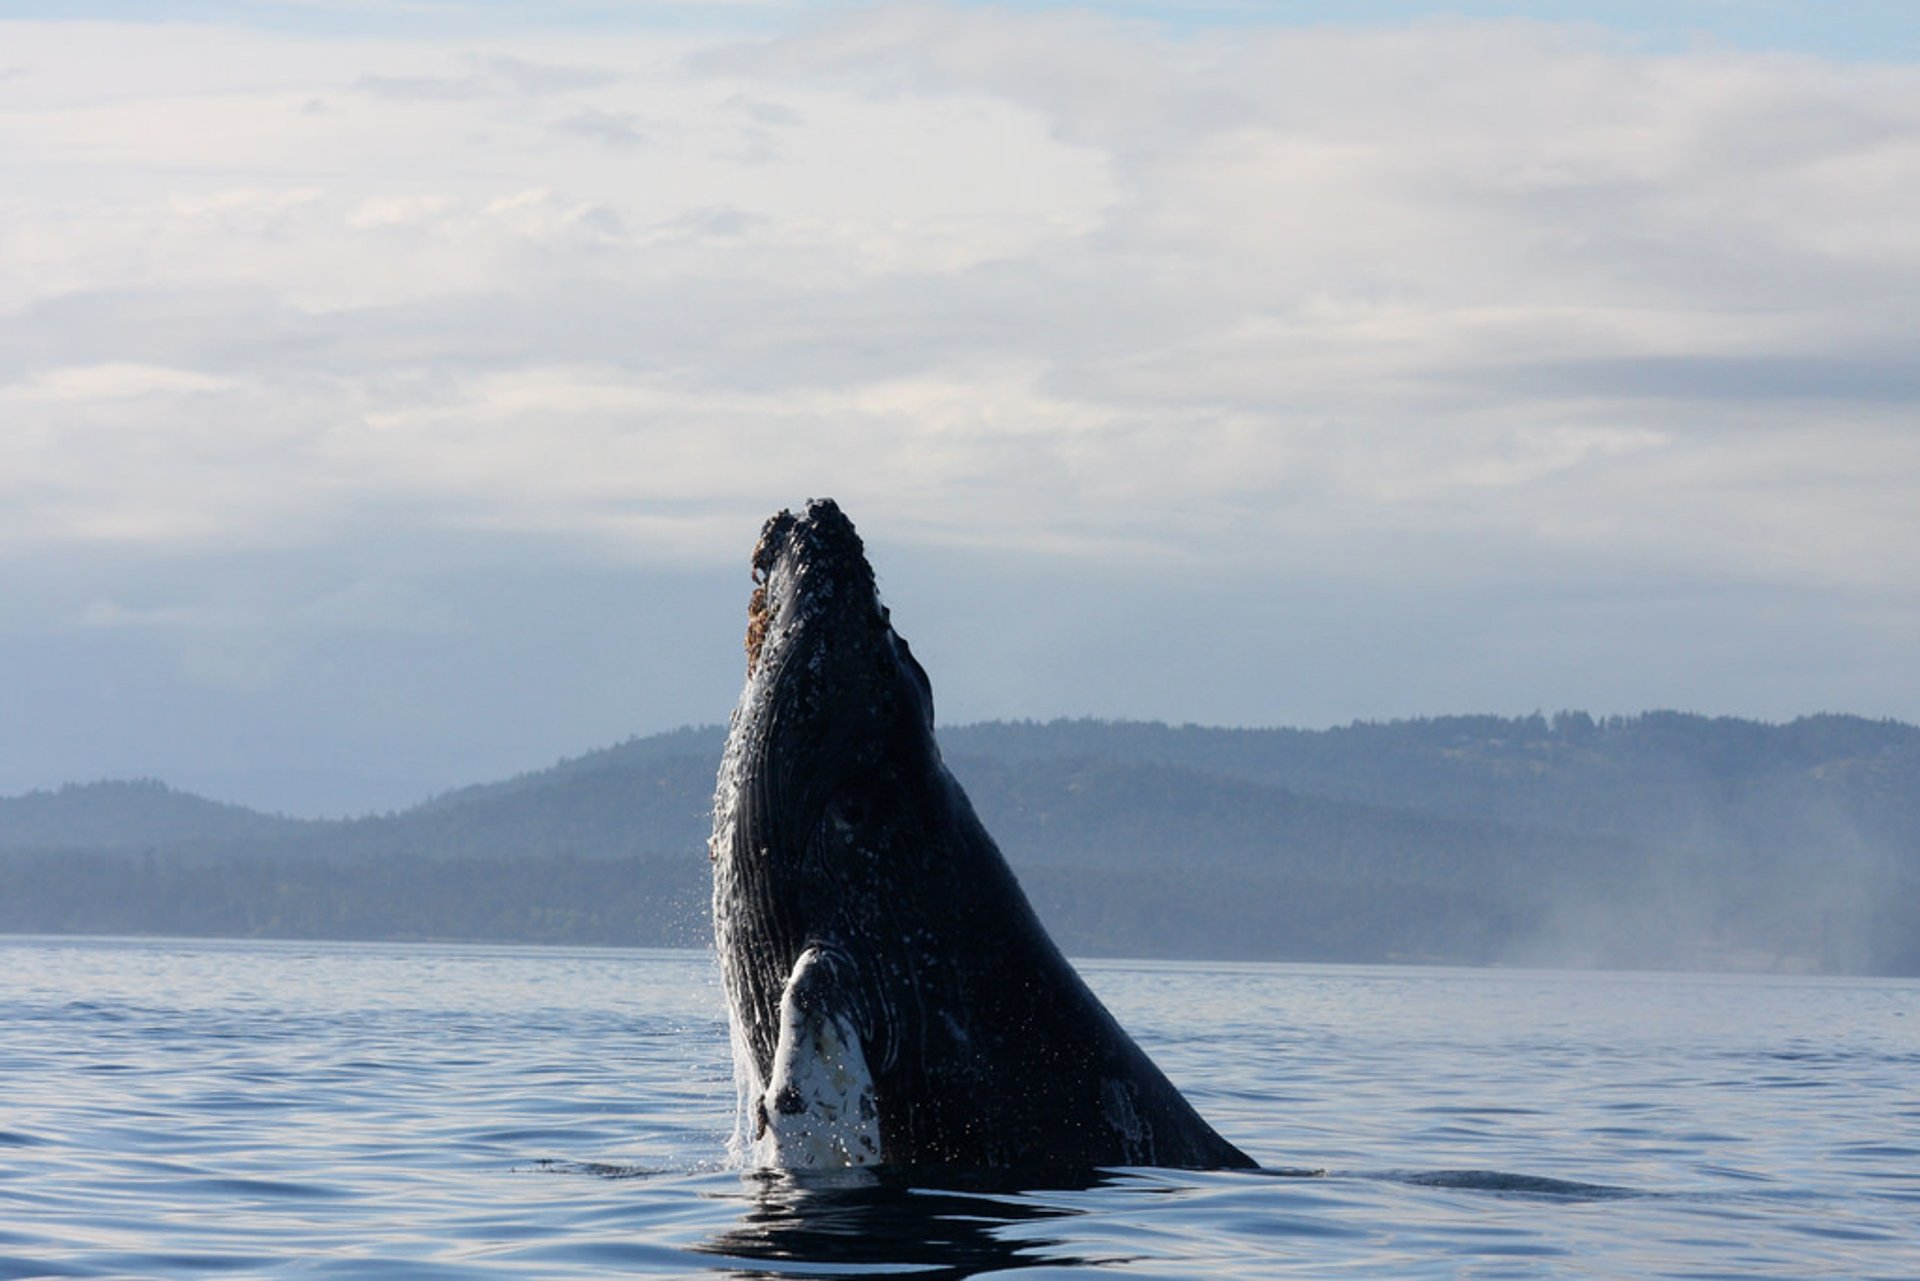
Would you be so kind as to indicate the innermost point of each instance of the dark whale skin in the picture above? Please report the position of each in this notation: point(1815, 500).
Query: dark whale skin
point(859, 904)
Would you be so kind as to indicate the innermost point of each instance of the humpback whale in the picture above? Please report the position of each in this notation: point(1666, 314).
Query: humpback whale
point(893, 1000)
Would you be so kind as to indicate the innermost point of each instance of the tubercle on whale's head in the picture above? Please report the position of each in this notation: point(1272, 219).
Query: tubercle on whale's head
point(809, 570)
point(820, 644)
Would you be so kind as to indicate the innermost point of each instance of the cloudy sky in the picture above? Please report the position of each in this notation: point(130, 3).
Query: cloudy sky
point(390, 393)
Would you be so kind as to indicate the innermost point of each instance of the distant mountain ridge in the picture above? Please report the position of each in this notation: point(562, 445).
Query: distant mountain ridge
point(1660, 839)
point(129, 814)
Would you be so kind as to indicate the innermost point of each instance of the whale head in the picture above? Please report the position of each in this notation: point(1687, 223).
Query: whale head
point(815, 841)
point(893, 998)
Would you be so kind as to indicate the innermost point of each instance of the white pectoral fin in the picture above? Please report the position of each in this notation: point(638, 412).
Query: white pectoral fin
point(819, 1108)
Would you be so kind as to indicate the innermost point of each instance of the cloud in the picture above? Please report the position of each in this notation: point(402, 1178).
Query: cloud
point(613, 129)
point(109, 382)
point(548, 78)
point(1484, 306)
point(497, 75)
point(425, 88)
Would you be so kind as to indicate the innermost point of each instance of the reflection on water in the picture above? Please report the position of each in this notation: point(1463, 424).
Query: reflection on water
point(1513, 1185)
point(933, 1224)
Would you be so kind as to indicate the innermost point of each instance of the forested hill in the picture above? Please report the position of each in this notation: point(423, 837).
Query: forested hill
point(138, 815)
point(1663, 839)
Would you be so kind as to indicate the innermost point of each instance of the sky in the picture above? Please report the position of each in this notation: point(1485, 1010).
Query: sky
point(391, 392)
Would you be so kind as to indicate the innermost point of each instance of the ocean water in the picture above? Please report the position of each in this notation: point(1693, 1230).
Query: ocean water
point(193, 1109)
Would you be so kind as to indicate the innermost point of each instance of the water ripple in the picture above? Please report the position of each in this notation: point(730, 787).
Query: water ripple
point(186, 1110)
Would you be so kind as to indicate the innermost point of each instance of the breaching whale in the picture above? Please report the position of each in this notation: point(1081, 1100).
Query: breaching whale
point(892, 997)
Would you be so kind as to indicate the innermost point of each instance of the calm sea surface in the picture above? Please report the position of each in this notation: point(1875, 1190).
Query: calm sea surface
point(189, 1109)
